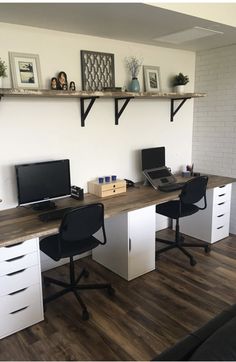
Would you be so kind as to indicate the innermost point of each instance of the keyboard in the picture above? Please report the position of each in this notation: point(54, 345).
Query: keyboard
point(172, 187)
point(53, 215)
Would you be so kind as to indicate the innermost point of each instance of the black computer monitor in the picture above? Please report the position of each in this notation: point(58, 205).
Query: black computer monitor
point(38, 183)
point(153, 158)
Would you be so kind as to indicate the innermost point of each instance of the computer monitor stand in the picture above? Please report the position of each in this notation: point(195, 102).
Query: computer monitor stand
point(45, 205)
point(146, 183)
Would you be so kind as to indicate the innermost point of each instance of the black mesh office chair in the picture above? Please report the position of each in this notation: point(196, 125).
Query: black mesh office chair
point(76, 237)
point(192, 192)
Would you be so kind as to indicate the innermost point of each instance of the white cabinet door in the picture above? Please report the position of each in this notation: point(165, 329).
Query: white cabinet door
point(114, 254)
point(142, 225)
point(130, 248)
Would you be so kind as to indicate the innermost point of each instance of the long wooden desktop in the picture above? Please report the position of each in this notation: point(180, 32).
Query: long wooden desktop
point(130, 250)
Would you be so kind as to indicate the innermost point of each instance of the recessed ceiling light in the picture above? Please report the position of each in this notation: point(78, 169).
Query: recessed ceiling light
point(188, 35)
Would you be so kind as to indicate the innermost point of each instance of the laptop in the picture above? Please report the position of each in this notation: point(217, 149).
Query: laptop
point(161, 178)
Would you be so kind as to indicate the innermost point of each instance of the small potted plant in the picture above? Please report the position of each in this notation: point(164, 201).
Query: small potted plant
point(133, 65)
point(179, 81)
point(3, 69)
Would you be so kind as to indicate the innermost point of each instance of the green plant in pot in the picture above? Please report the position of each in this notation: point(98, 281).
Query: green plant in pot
point(133, 65)
point(3, 71)
point(179, 82)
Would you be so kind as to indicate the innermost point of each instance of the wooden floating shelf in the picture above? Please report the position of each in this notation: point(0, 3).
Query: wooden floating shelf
point(92, 96)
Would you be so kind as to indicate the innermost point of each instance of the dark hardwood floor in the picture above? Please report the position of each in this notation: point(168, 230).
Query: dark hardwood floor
point(144, 317)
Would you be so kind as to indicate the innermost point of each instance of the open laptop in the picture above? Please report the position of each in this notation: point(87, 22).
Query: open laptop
point(161, 178)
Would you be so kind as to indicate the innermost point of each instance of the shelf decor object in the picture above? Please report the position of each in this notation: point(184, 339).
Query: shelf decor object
point(179, 82)
point(133, 65)
point(3, 71)
point(25, 70)
point(152, 81)
point(97, 70)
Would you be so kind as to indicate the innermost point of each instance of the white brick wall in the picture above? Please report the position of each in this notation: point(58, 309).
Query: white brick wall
point(214, 126)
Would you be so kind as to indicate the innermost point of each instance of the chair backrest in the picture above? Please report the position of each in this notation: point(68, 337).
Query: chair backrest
point(82, 222)
point(194, 190)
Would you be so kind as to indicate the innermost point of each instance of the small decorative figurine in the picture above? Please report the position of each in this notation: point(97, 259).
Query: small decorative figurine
point(62, 81)
point(72, 86)
point(54, 83)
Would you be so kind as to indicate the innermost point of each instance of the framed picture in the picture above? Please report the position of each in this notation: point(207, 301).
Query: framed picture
point(97, 70)
point(152, 80)
point(25, 70)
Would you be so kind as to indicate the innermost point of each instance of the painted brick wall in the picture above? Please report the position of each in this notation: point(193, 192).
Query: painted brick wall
point(214, 126)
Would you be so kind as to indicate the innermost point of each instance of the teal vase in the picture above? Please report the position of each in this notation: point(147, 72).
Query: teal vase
point(134, 85)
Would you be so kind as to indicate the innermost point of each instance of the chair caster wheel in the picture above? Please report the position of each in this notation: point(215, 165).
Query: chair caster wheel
point(207, 249)
point(193, 262)
point(111, 291)
point(85, 315)
point(86, 273)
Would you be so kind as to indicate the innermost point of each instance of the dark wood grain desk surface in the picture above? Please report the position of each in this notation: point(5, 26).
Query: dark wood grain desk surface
point(20, 223)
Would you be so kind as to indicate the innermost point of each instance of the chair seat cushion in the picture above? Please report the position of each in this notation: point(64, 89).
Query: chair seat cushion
point(171, 209)
point(50, 246)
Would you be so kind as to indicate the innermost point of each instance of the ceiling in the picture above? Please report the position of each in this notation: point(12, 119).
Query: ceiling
point(133, 22)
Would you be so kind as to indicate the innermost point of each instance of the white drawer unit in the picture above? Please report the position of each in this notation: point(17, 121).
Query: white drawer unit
point(211, 224)
point(20, 287)
point(130, 248)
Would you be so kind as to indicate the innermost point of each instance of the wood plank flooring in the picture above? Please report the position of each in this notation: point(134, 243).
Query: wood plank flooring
point(144, 317)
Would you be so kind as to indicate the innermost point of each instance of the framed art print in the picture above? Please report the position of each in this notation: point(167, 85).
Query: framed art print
point(25, 70)
point(152, 78)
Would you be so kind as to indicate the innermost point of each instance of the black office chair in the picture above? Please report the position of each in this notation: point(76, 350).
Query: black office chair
point(76, 237)
point(192, 192)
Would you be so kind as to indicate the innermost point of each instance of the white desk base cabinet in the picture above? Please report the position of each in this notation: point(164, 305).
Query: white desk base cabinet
point(130, 248)
point(21, 302)
point(211, 224)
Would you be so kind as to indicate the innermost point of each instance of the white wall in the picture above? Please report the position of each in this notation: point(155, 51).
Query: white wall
point(214, 131)
point(46, 129)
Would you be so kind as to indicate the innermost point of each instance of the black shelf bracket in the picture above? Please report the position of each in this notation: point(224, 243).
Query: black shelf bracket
point(84, 112)
point(118, 112)
point(174, 111)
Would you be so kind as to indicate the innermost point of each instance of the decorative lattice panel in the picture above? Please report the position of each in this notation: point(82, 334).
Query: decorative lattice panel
point(97, 70)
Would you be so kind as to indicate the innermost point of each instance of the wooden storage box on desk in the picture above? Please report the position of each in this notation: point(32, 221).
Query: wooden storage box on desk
point(107, 188)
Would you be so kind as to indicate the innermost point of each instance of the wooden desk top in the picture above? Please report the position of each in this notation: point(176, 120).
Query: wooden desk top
point(20, 223)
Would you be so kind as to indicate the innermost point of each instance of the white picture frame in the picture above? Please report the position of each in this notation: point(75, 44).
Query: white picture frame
point(152, 81)
point(25, 70)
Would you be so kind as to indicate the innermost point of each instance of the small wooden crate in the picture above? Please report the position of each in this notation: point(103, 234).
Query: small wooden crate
point(107, 188)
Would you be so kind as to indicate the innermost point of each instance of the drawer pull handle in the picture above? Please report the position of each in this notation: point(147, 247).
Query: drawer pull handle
point(221, 187)
point(16, 258)
point(221, 203)
point(16, 272)
point(19, 310)
point(220, 227)
point(18, 291)
point(220, 215)
point(221, 195)
point(12, 246)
